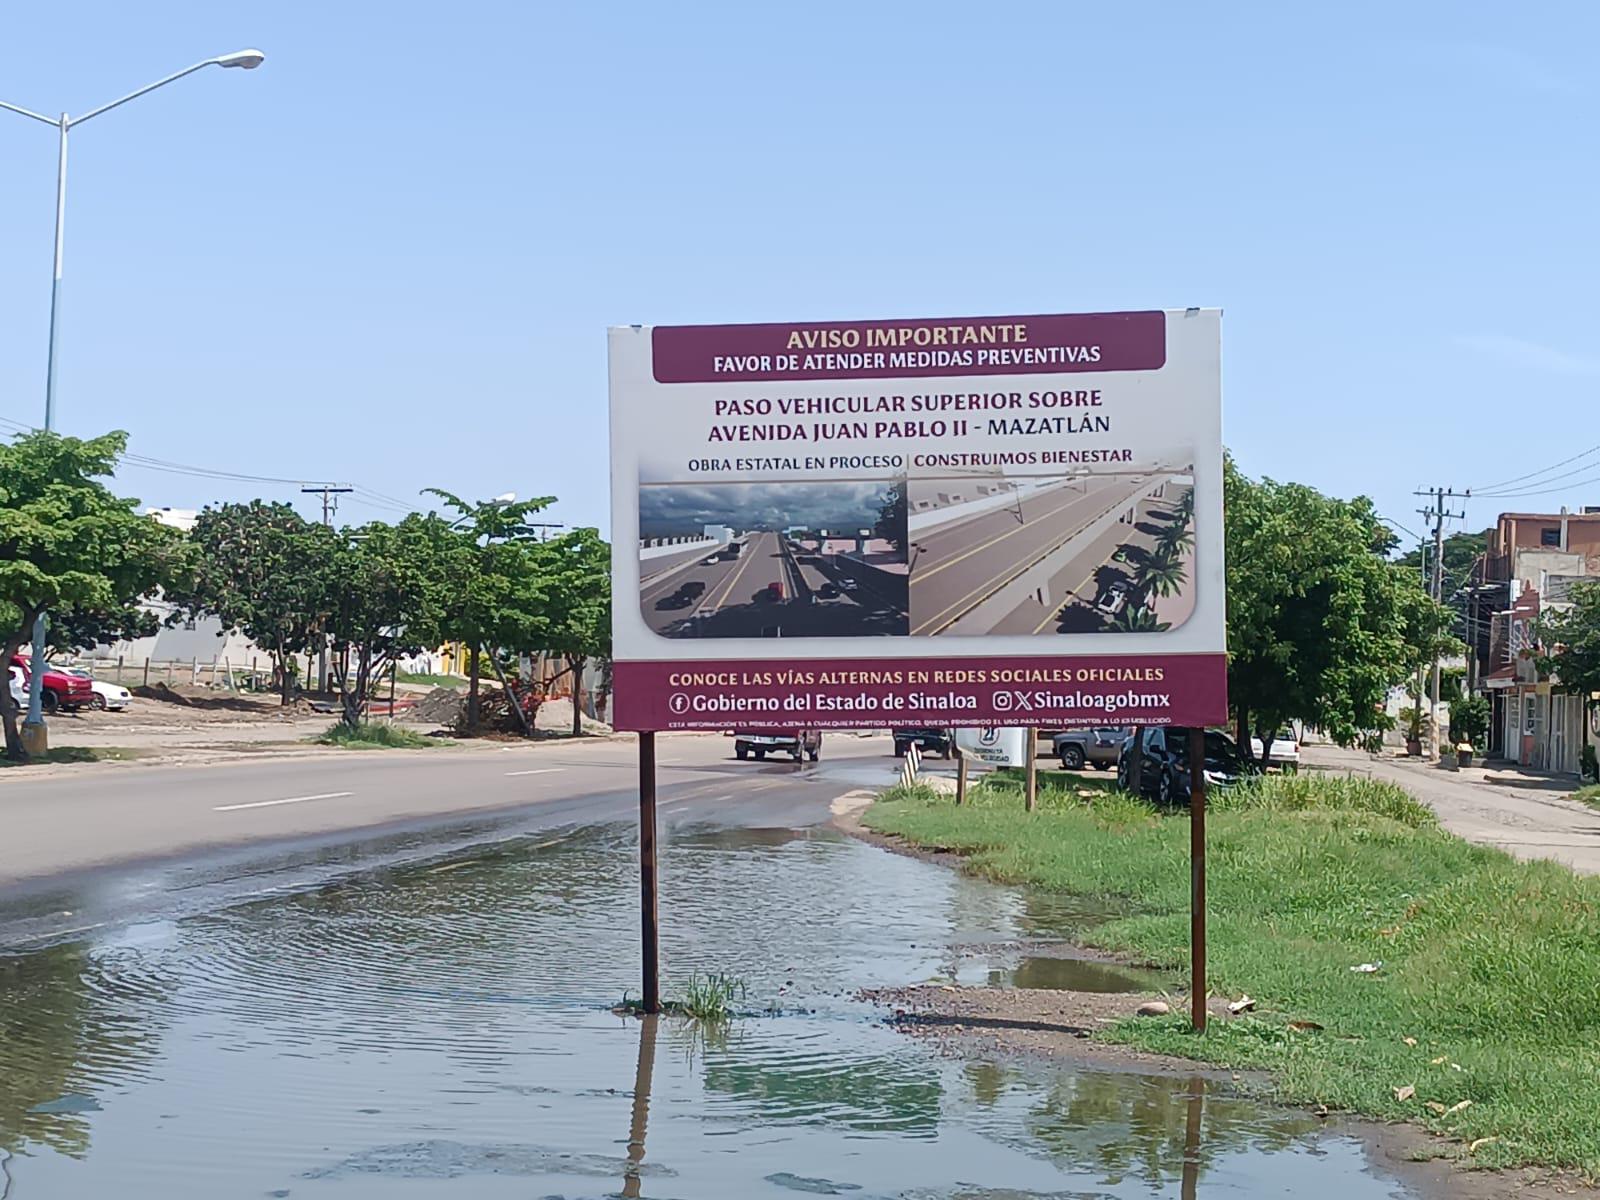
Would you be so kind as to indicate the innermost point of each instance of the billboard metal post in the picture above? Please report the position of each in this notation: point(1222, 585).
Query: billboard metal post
point(650, 925)
point(1197, 878)
point(1031, 787)
point(961, 777)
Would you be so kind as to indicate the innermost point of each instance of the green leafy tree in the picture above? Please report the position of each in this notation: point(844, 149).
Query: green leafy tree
point(577, 614)
point(1138, 618)
point(1320, 624)
point(1469, 719)
point(1161, 575)
point(387, 600)
point(1569, 643)
point(891, 522)
point(265, 570)
point(495, 587)
point(1176, 539)
point(70, 546)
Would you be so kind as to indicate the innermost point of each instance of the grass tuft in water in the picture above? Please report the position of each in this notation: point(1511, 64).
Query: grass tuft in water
point(373, 735)
point(709, 998)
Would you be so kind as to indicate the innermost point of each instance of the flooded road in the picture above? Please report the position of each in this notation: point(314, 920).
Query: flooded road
point(444, 1028)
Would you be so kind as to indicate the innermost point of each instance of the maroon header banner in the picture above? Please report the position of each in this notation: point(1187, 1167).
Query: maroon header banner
point(1076, 691)
point(1034, 345)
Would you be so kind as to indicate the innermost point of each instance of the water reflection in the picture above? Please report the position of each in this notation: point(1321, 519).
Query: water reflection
point(444, 1029)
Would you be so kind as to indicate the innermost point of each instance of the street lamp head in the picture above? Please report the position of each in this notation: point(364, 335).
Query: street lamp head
point(248, 59)
point(505, 498)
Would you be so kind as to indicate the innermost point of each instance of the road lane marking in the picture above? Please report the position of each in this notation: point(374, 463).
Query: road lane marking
point(998, 538)
point(1028, 524)
point(960, 607)
point(288, 800)
point(744, 561)
point(537, 771)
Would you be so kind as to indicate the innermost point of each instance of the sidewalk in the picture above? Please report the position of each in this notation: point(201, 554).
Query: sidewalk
point(1526, 816)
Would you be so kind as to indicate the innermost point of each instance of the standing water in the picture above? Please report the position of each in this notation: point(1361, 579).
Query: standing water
point(444, 1029)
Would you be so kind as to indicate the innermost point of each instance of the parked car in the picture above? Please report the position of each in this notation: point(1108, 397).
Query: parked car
point(828, 591)
point(929, 741)
point(1098, 747)
point(1113, 598)
point(1285, 750)
point(848, 585)
point(762, 742)
point(19, 687)
point(65, 693)
point(1164, 773)
point(107, 696)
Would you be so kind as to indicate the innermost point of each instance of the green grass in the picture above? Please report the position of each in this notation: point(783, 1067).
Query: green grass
point(373, 735)
point(707, 998)
point(1588, 795)
point(1490, 965)
point(449, 681)
point(77, 754)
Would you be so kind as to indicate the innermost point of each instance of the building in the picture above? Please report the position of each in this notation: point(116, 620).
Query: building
point(1530, 566)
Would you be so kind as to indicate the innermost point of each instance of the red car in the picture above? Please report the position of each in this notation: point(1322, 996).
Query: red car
point(66, 693)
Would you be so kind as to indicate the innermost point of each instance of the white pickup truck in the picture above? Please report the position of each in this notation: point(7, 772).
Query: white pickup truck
point(799, 743)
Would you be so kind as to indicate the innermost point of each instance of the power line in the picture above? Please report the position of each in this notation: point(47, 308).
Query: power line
point(1533, 488)
point(1538, 489)
point(1532, 474)
point(365, 496)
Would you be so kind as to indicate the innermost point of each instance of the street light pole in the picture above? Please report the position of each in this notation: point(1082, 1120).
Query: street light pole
point(33, 727)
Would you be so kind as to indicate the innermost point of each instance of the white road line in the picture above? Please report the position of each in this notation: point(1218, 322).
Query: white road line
point(538, 771)
point(290, 800)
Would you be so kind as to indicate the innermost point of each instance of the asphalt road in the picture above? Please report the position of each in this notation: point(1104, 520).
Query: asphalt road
point(958, 566)
point(1072, 591)
point(76, 821)
point(732, 599)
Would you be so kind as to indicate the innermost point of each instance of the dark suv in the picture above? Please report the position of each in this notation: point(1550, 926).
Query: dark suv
point(1164, 774)
point(929, 741)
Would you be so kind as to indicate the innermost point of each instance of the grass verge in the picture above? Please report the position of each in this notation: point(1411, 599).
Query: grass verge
point(448, 681)
point(77, 754)
point(373, 735)
point(1489, 990)
point(1588, 795)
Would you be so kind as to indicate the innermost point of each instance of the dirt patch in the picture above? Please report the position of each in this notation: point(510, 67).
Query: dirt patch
point(193, 701)
point(1058, 1026)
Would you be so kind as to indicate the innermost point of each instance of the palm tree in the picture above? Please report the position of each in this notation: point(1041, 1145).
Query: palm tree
point(1136, 618)
point(1162, 575)
point(1186, 505)
point(1175, 539)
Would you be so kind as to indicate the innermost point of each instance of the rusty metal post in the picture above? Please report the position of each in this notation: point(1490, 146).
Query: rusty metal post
point(639, 1124)
point(961, 777)
point(1030, 791)
point(650, 928)
point(1197, 878)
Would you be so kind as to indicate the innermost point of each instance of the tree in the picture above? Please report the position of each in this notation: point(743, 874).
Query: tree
point(387, 600)
point(69, 546)
point(1161, 575)
point(265, 570)
point(1137, 618)
point(1320, 624)
point(577, 568)
point(495, 592)
point(1461, 551)
point(1569, 644)
point(891, 522)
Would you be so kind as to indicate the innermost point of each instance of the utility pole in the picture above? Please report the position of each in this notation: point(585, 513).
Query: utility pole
point(1438, 513)
point(330, 506)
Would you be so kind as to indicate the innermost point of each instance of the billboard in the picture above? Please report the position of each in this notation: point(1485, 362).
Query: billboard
point(976, 521)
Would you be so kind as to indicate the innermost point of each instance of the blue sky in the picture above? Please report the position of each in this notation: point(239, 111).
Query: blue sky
point(390, 254)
